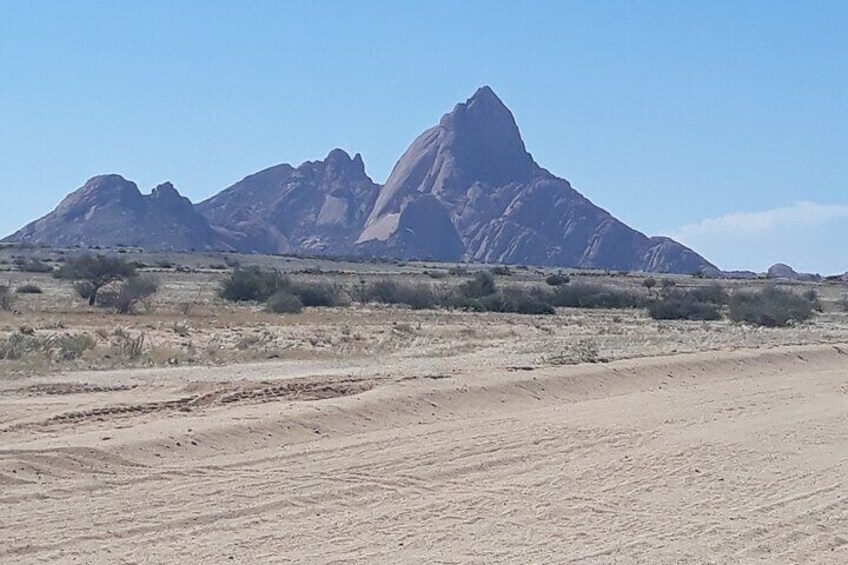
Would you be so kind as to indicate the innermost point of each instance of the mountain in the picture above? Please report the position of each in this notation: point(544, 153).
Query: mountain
point(318, 207)
point(468, 189)
point(785, 272)
point(109, 210)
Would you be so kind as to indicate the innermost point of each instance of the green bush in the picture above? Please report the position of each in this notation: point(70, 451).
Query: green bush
point(252, 283)
point(501, 271)
point(771, 307)
point(32, 265)
point(516, 300)
point(482, 284)
point(255, 284)
point(417, 296)
point(592, 295)
point(28, 289)
point(283, 302)
point(683, 306)
point(318, 294)
point(456, 301)
point(557, 279)
point(710, 294)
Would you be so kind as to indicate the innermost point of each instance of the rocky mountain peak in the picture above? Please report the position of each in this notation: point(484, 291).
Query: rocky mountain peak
point(101, 191)
point(165, 190)
point(108, 187)
point(340, 165)
point(167, 197)
point(470, 185)
point(484, 140)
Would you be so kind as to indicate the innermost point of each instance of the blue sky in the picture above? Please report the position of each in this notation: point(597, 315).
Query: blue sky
point(724, 124)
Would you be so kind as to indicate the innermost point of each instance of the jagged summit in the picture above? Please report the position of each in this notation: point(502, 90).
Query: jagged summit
point(477, 142)
point(342, 158)
point(485, 141)
point(165, 190)
point(318, 207)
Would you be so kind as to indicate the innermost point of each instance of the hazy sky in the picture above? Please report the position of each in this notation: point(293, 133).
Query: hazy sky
point(724, 124)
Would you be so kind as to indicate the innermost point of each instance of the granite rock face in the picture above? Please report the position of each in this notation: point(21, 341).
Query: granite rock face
point(109, 211)
point(319, 207)
point(474, 170)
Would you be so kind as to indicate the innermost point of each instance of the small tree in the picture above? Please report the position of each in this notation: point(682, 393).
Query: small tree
point(91, 273)
point(133, 291)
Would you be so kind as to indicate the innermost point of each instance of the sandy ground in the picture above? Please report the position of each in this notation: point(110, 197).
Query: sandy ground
point(712, 457)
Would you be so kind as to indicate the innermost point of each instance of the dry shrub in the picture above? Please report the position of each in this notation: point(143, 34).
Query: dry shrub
point(28, 288)
point(584, 351)
point(771, 307)
point(7, 299)
point(283, 302)
point(65, 347)
point(130, 347)
point(696, 304)
point(129, 294)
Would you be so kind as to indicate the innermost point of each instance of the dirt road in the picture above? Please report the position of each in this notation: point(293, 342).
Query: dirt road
point(738, 457)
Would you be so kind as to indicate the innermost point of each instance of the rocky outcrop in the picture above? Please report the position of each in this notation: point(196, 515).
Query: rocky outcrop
point(109, 211)
point(474, 170)
point(319, 207)
point(785, 272)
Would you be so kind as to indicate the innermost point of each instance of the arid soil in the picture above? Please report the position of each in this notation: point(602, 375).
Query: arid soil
point(718, 457)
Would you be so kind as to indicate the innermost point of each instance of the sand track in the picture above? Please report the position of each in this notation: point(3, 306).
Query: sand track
point(738, 457)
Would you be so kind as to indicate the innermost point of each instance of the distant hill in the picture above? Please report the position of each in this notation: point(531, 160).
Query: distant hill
point(109, 210)
point(785, 272)
point(466, 189)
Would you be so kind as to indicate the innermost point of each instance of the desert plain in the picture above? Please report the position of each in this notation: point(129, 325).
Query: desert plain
point(379, 434)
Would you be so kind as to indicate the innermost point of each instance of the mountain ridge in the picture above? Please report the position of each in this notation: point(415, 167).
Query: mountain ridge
point(465, 189)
